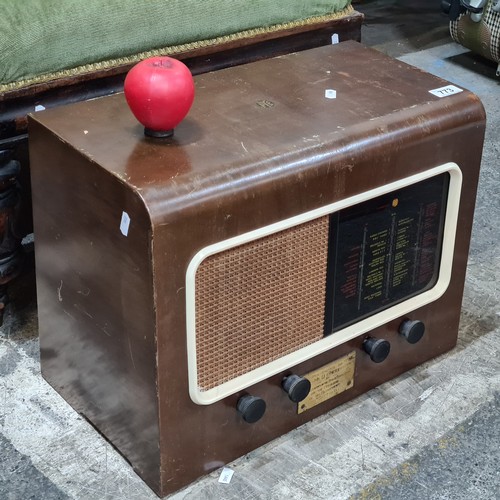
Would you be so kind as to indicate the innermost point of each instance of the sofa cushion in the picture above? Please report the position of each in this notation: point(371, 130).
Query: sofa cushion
point(44, 39)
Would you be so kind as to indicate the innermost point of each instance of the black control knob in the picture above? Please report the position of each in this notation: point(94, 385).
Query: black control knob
point(378, 349)
point(296, 387)
point(412, 330)
point(251, 408)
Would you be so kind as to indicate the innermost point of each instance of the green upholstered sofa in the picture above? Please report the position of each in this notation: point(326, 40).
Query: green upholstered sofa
point(45, 40)
point(53, 52)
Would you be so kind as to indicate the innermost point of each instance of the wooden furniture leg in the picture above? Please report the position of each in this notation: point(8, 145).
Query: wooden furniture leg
point(11, 254)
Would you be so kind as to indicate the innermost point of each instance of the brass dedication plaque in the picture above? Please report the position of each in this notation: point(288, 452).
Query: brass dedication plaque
point(328, 381)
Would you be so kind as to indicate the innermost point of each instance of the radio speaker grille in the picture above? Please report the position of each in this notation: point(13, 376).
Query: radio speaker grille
point(259, 301)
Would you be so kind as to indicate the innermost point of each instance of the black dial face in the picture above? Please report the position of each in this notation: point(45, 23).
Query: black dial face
point(384, 250)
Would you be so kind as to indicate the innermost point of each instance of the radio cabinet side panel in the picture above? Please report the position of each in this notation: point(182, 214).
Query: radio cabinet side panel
point(95, 297)
point(199, 438)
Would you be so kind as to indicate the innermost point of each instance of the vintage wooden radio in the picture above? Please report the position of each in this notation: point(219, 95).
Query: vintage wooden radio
point(302, 238)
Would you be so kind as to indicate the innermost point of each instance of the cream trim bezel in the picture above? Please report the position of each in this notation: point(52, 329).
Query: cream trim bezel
point(263, 372)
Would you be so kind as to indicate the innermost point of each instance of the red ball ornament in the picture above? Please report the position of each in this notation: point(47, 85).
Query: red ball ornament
point(159, 92)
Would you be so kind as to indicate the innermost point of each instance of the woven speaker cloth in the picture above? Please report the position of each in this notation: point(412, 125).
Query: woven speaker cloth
point(260, 301)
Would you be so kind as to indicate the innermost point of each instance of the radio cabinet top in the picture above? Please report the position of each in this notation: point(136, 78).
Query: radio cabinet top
point(253, 125)
point(268, 154)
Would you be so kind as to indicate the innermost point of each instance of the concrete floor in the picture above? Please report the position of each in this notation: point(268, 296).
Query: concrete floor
point(432, 433)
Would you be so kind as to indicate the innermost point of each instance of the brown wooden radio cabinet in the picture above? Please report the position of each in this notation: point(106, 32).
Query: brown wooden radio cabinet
point(312, 213)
